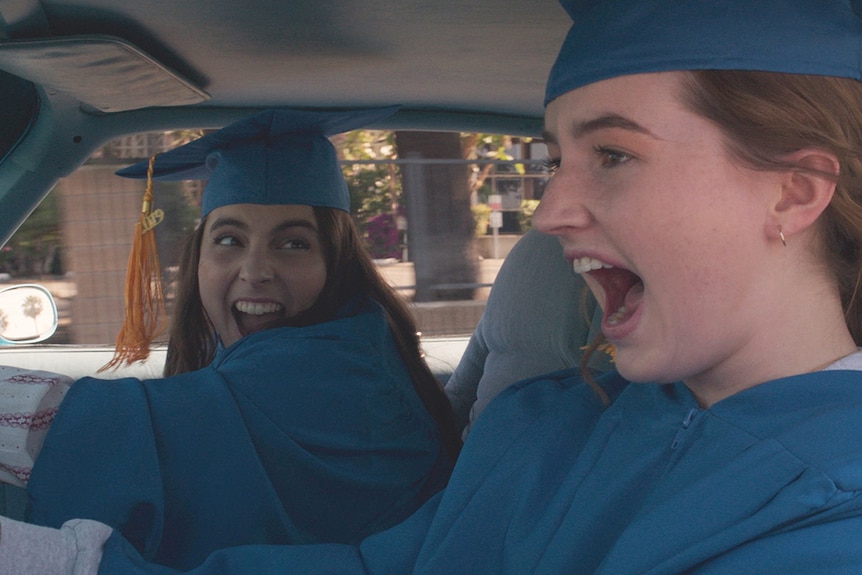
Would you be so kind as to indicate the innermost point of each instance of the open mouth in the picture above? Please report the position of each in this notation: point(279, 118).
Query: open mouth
point(623, 290)
point(251, 317)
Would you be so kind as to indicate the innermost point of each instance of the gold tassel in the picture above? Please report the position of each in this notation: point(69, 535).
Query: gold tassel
point(144, 297)
point(607, 347)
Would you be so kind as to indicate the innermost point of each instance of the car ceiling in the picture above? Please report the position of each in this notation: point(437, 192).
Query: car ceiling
point(102, 68)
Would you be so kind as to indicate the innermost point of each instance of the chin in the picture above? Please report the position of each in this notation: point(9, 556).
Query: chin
point(233, 337)
point(641, 371)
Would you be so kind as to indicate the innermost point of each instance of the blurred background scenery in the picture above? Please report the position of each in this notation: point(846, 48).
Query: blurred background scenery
point(439, 212)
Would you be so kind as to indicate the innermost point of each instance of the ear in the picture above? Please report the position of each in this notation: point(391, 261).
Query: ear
point(805, 192)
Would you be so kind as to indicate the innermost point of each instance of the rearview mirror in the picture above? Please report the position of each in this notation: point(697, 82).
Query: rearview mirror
point(28, 314)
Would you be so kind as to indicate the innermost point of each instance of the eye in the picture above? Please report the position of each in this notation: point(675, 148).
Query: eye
point(226, 240)
point(295, 244)
point(610, 157)
point(551, 165)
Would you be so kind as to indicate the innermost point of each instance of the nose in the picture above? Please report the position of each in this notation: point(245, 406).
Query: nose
point(256, 268)
point(562, 208)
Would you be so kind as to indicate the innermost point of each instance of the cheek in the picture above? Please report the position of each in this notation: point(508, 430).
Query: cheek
point(210, 282)
point(305, 282)
point(691, 248)
point(315, 282)
point(701, 269)
point(689, 221)
point(205, 272)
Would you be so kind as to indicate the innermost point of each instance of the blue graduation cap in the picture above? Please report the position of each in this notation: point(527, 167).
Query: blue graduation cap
point(279, 156)
point(610, 38)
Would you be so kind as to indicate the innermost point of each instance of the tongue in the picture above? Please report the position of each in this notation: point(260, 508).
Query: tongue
point(634, 296)
point(631, 301)
point(248, 323)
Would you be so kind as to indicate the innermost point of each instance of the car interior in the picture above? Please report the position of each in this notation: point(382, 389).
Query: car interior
point(76, 74)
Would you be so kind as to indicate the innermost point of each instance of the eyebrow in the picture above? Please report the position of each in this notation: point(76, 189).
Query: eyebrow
point(286, 224)
point(604, 122)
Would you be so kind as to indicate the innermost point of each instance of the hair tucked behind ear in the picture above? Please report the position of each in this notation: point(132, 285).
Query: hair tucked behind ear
point(765, 116)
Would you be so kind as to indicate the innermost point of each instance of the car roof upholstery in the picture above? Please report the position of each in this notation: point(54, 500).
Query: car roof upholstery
point(103, 68)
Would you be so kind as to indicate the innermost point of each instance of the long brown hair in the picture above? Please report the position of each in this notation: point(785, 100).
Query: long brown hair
point(350, 273)
point(764, 117)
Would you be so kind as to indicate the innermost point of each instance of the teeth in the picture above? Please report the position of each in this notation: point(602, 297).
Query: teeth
point(586, 264)
point(618, 315)
point(257, 308)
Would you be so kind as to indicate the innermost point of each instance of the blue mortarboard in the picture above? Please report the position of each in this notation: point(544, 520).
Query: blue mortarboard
point(612, 38)
point(279, 156)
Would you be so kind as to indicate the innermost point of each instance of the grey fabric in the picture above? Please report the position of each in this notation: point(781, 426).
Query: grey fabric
point(74, 549)
point(538, 317)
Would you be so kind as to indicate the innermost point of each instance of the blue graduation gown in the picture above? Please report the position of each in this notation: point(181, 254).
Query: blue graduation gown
point(766, 481)
point(291, 435)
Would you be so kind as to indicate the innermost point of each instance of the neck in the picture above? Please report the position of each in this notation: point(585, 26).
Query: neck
point(801, 333)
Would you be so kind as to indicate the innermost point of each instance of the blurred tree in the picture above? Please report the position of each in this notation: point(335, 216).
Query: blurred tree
point(487, 147)
point(375, 188)
point(441, 226)
point(33, 307)
point(35, 248)
point(438, 200)
point(181, 217)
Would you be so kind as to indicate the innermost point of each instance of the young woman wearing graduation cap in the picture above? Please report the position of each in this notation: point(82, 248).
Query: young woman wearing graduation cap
point(708, 186)
point(300, 409)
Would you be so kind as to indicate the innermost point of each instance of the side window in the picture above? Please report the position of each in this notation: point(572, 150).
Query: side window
point(437, 225)
point(20, 105)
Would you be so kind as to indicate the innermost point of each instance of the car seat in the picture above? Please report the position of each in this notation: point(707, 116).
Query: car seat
point(538, 317)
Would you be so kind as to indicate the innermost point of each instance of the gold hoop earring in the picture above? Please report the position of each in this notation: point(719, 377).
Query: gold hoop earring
point(781, 236)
